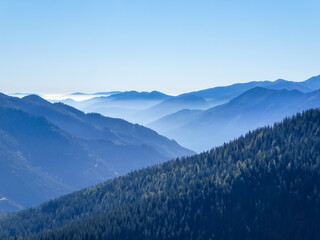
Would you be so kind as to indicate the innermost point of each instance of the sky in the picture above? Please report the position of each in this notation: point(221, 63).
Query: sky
point(62, 46)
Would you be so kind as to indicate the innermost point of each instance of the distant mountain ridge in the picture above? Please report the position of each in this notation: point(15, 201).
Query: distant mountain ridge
point(313, 82)
point(254, 108)
point(179, 117)
point(226, 93)
point(134, 95)
point(147, 107)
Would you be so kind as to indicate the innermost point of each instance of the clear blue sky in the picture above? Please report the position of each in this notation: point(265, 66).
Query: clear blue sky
point(173, 46)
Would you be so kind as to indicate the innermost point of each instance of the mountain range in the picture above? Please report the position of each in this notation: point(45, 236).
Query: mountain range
point(146, 107)
point(254, 108)
point(48, 150)
point(264, 185)
point(41, 142)
point(216, 115)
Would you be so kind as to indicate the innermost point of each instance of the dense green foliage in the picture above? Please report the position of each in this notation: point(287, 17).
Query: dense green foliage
point(264, 185)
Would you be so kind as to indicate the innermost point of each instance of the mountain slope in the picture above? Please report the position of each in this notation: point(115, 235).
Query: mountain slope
point(218, 95)
point(281, 84)
point(223, 94)
point(257, 107)
point(120, 105)
point(47, 150)
point(173, 121)
point(170, 106)
point(93, 126)
point(313, 82)
point(31, 170)
point(261, 186)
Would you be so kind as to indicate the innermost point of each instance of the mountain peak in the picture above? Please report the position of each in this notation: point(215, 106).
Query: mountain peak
point(78, 93)
point(313, 82)
point(135, 95)
point(35, 99)
point(280, 80)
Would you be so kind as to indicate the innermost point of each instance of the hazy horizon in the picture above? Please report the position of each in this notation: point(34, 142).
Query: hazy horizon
point(64, 95)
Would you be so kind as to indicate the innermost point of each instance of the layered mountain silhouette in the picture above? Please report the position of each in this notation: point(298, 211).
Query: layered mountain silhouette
point(196, 113)
point(42, 141)
point(124, 105)
point(51, 149)
point(218, 95)
point(169, 106)
point(254, 108)
point(264, 185)
point(147, 107)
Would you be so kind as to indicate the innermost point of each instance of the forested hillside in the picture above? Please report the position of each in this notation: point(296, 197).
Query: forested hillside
point(264, 185)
